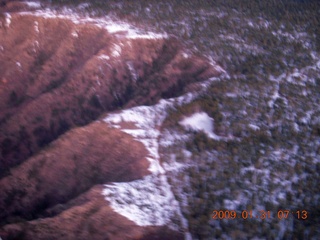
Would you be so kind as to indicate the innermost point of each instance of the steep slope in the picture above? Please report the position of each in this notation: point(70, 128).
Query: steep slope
point(59, 72)
point(69, 166)
point(86, 217)
point(64, 71)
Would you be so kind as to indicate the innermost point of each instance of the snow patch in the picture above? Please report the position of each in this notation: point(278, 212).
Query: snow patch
point(318, 64)
point(173, 165)
point(83, 5)
point(231, 95)
point(185, 55)
point(215, 65)
point(35, 45)
point(116, 52)
point(33, 4)
point(231, 204)
point(149, 201)
point(307, 117)
point(104, 57)
point(296, 127)
point(74, 34)
point(149, 35)
point(170, 138)
point(7, 20)
point(254, 127)
point(36, 27)
point(200, 121)
point(133, 72)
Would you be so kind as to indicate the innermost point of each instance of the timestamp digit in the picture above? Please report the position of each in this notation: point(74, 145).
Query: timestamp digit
point(227, 214)
point(244, 214)
point(221, 215)
point(280, 214)
point(302, 214)
point(215, 214)
point(262, 214)
point(233, 214)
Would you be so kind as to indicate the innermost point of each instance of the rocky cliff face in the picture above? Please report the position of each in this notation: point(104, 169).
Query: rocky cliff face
point(58, 73)
point(69, 166)
point(86, 217)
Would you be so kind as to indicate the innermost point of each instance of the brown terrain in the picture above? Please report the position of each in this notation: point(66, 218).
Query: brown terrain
point(56, 78)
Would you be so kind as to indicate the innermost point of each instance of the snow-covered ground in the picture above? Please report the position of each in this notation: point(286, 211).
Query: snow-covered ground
point(149, 201)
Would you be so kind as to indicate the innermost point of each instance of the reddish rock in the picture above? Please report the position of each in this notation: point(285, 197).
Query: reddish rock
point(86, 217)
point(69, 166)
point(56, 77)
point(52, 78)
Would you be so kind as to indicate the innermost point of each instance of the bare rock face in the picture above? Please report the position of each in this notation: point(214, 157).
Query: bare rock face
point(58, 75)
point(55, 74)
point(69, 166)
point(87, 217)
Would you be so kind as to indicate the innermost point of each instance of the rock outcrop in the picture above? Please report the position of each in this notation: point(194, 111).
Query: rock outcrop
point(57, 75)
point(69, 166)
point(87, 217)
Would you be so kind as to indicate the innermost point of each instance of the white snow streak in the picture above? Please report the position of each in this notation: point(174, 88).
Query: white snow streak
point(8, 19)
point(116, 52)
point(33, 4)
point(133, 72)
point(104, 57)
point(36, 27)
point(125, 29)
point(254, 127)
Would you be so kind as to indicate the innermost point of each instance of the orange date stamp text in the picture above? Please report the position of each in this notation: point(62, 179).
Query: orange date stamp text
point(261, 214)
